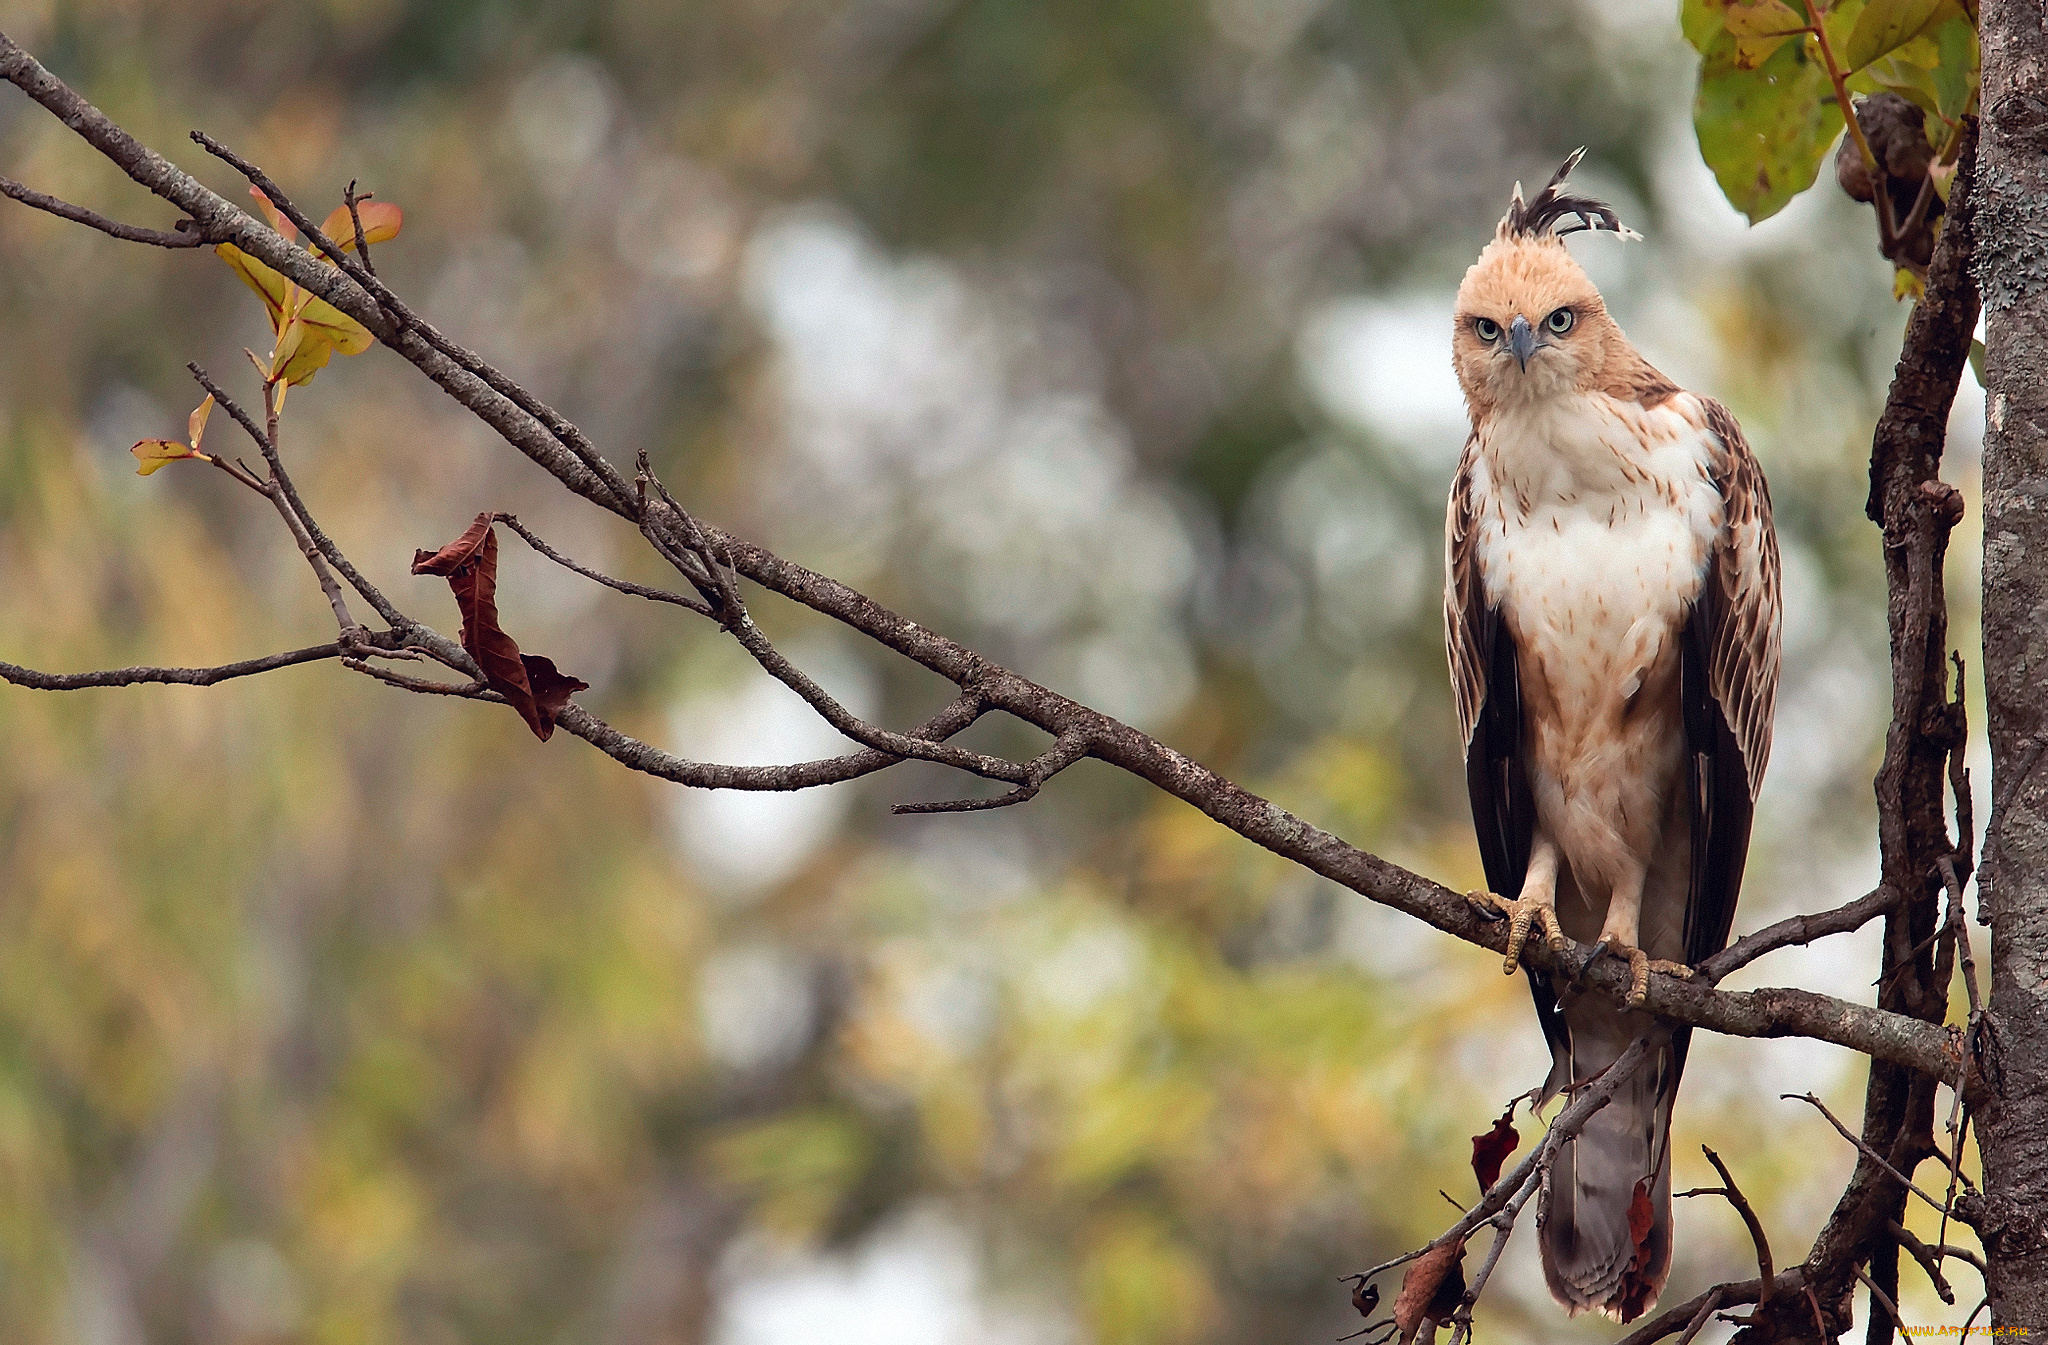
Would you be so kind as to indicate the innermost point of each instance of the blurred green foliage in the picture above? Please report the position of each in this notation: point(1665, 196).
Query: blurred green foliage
point(1768, 108)
point(1108, 338)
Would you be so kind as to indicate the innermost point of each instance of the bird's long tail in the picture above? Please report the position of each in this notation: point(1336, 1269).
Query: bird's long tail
point(1606, 1231)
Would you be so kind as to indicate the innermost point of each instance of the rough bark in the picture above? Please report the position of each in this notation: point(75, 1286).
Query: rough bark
point(1916, 511)
point(2013, 274)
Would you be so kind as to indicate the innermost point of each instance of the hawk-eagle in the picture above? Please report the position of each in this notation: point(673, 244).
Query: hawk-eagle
point(1611, 609)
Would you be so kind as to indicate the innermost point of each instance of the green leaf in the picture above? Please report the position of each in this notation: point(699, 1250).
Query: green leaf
point(1956, 75)
point(1977, 362)
point(1764, 131)
point(1904, 73)
point(1886, 25)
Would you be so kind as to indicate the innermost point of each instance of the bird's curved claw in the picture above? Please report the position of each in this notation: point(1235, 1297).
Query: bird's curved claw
point(1521, 914)
point(1640, 965)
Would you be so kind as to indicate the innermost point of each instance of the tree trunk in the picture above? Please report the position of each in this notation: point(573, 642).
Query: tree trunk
point(2012, 252)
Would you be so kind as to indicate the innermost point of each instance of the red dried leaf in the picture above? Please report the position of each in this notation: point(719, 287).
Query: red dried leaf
point(1491, 1150)
point(1431, 1289)
point(533, 685)
point(1636, 1288)
point(1640, 1217)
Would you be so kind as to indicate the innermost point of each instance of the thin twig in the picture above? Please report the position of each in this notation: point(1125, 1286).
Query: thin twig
point(1959, 924)
point(371, 594)
point(1797, 931)
point(1929, 1259)
point(1878, 1295)
point(839, 717)
point(195, 677)
point(1734, 1196)
point(1067, 749)
point(1940, 1155)
point(1733, 1294)
point(622, 585)
point(336, 599)
point(1589, 1098)
point(475, 690)
point(1868, 1152)
point(184, 236)
point(355, 216)
point(1839, 77)
point(1699, 1319)
point(640, 756)
point(560, 429)
point(1503, 1228)
point(1820, 1326)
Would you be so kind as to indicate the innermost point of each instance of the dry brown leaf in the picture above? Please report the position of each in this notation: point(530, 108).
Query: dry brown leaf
point(1431, 1289)
point(532, 683)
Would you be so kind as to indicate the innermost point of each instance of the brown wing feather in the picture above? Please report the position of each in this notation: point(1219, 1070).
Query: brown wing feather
point(1464, 603)
point(1742, 663)
point(1729, 688)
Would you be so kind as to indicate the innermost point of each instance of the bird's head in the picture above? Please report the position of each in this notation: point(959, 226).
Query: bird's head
point(1530, 324)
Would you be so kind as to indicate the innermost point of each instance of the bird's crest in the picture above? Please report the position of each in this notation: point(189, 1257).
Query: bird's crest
point(1546, 216)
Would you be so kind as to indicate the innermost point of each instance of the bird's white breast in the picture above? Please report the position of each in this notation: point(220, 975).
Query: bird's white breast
point(1595, 521)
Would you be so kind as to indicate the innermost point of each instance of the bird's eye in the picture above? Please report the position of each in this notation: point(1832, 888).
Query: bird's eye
point(1488, 329)
point(1560, 321)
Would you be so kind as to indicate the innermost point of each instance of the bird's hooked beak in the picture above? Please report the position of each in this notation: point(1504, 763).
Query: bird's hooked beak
point(1521, 340)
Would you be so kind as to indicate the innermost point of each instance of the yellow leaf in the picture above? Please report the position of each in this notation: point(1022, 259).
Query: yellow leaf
point(195, 425)
point(1906, 285)
point(381, 221)
point(275, 291)
point(293, 310)
point(1759, 27)
point(335, 327)
point(151, 454)
point(301, 353)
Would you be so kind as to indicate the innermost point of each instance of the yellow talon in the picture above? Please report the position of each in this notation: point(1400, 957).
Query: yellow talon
point(1640, 965)
point(1521, 915)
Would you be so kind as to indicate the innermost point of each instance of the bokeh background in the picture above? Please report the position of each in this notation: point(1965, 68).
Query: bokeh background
point(1109, 336)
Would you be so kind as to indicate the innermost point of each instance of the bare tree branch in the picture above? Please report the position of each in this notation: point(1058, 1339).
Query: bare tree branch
point(1869, 1153)
point(622, 585)
point(354, 202)
point(1734, 1196)
point(1929, 1259)
point(1680, 1318)
point(191, 677)
point(1797, 931)
point(640, 756)
point(181, 237)
point(1067, 749)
